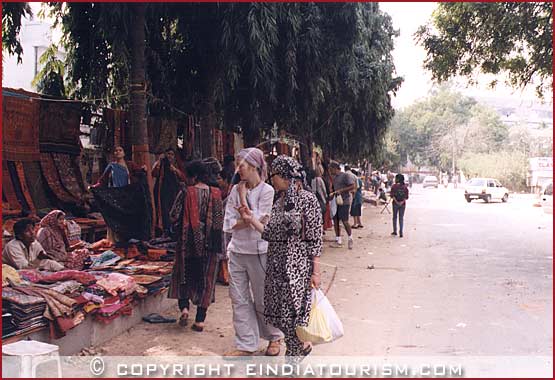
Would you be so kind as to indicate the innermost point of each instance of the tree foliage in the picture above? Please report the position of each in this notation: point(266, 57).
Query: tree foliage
point(12, 13)
point(512, 37)
point(323, 72)
point(444, 127)
point(50, 79)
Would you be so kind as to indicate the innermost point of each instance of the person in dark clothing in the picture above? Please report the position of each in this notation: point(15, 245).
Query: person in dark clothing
point(399, 195)
point(166, 188)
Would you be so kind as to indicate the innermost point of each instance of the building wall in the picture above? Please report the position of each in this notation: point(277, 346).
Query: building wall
point(35, 37)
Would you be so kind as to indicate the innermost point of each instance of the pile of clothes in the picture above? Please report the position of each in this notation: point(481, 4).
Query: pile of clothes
point(25, 313)
point(113, 280)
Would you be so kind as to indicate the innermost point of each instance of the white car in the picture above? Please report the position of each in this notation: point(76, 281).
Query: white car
point(430, 181)
point(486, 189)
point(547, 198)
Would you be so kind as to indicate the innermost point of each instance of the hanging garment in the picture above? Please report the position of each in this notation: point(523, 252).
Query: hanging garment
point(126, 210)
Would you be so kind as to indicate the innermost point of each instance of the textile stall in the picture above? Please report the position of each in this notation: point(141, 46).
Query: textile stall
point(113, 282)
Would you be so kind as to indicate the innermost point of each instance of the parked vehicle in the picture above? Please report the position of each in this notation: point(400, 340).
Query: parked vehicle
point(486, 189)
point(430, 181)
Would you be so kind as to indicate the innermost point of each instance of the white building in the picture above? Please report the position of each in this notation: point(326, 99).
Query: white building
point(36, 36)
point(540, 173)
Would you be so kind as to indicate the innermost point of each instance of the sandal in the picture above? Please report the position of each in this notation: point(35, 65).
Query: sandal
point(183, 318)
point(307, 350)
point(157, 318)
point(197, 326)
point(274, 348)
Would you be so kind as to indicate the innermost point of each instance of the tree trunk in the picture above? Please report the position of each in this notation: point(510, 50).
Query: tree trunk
point(139, 133)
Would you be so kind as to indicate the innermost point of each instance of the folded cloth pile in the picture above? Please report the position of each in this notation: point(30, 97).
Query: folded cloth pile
point(8, 327)
point(113, 308)
point(105, 259)
point(115, 282)
point(26, 311)
point(59, 311)
point(67, 287)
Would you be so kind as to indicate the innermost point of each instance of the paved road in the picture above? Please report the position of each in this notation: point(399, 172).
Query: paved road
point(467, 279)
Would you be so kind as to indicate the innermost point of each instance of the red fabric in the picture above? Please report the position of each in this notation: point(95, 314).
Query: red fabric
point(24, 188)
point(8, 192)
point(64, 275)
point(20, 127)
point(327, 218)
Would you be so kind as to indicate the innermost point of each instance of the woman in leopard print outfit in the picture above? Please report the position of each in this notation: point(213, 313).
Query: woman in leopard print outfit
point(294, 235)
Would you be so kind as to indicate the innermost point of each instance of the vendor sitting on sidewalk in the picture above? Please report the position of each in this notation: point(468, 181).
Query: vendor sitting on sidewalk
point(24, 252)
point(53, 238)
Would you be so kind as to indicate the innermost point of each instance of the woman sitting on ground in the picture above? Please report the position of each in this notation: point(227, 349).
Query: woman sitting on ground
point(52, 237)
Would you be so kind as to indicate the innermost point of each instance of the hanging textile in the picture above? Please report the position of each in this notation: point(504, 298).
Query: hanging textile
point(162, 134)
point(53, 179)
point(238, 142)
point(60, 127)
point(24, 188)
point(20, 127)
point(21, 198)
point(229, 145)
point(11, 206)
point(37, 186)
point(126, 210)
point(219, 144)
point(68, 175)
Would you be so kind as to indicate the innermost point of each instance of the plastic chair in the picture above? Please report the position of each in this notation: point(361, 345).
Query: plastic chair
point(32, 354)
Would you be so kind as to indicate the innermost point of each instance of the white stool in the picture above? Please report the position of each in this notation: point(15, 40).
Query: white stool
point(33, 353)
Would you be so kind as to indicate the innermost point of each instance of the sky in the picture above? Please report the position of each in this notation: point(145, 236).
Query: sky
point(409, 59)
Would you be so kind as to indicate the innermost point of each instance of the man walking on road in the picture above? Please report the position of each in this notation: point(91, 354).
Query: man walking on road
point(399, 195)
point(343, 185)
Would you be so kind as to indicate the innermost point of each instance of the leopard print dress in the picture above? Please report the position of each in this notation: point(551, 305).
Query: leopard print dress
point(294, 238)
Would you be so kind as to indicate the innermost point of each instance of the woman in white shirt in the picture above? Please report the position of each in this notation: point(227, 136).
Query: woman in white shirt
point(248, 256)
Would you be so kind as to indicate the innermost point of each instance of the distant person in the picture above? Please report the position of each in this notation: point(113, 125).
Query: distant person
point(382, 197)
point(356, 206)
point(399, 195)
point(318, 187)
point(343, 184)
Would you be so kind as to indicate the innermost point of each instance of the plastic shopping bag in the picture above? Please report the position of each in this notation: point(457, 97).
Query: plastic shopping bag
point(324, 326)
point(333, 207)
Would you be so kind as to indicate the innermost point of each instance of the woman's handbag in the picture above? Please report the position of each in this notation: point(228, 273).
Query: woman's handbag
point(324, 326)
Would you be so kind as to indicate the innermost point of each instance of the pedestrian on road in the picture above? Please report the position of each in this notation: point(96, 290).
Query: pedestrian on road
point(248, 256)
point(198, 213)
point(343, 184)
point(294, 234)
point(356, 207)
point(399, 195)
